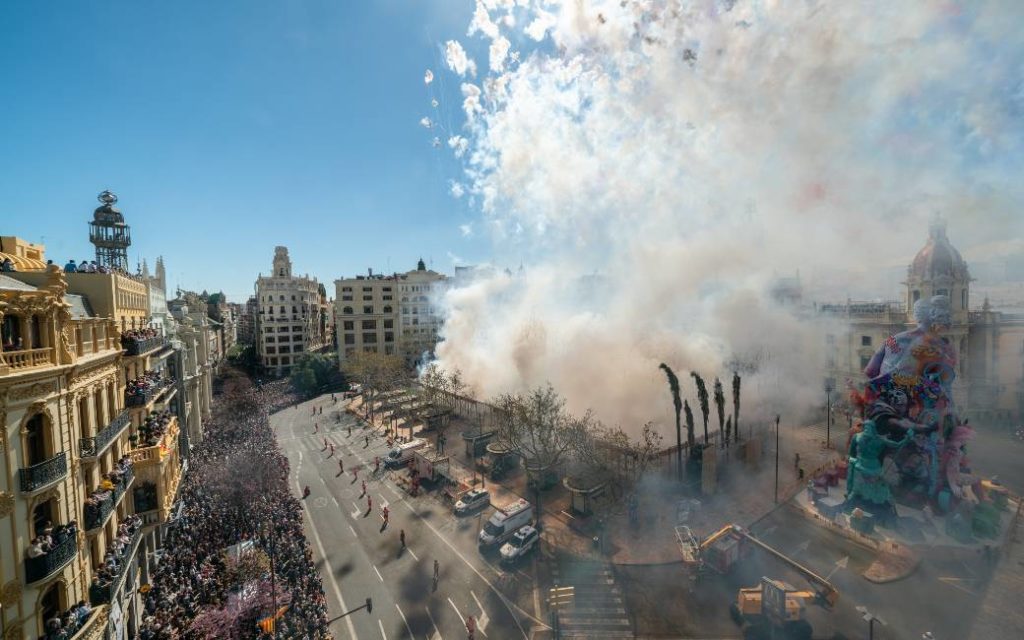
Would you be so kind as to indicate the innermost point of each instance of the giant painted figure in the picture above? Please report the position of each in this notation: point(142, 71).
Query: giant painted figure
point(908, 406)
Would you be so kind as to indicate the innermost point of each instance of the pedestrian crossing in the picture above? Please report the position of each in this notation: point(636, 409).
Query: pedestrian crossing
point(597, 608)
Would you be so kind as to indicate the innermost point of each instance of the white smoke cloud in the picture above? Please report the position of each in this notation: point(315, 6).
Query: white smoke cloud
point(686, 157)
point(457, 59)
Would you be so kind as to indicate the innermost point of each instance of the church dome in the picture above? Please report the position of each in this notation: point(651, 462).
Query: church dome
point(938, 258)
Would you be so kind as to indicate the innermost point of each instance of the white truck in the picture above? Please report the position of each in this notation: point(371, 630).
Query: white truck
point(404, 452)
point(504, 523)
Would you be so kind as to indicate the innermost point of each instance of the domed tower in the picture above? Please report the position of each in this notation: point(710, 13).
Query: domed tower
point(109, 233)
point(282, 263)
point(938, 269)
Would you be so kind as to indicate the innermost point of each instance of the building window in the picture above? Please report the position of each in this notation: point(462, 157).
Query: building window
point(367, 298)
point(350, 338)
point(370, 349)
point(347, 311)
point(387, 309)
point(388, 298)
point(271, 349)
point(282, 311)
point(282, 329)
point(388, 289)
point(389, 337)
point(297, 348)
point(348, 325)
point(864, 360)
point(942, 292)
point(270, 338)
point(389, 324)
point(368, 310)
point(346, 288)
point(369, 338)
point(389, 349)
point(346, 298)
point(298, 329)
point(273, 361)
point(286, 361)
point(285, 349)
point(369, 324)
point(865, 341)
point(366, 289)
point(963, 298)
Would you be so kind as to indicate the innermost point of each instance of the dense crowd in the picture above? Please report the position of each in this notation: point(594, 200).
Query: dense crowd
point(138, 335)
point(236, 491)
point(110, 569)
point(145, 382)
point(154, 427)
point(65, 626)
point(51, 537)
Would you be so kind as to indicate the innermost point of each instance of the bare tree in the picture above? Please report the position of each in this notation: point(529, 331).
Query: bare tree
point(736, 404)
point(539, 429)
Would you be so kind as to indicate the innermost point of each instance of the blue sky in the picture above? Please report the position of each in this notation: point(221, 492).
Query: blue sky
point(229, 127)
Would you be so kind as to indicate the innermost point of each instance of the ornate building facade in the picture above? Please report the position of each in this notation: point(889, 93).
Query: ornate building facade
point(292, 316)
point(989, 343)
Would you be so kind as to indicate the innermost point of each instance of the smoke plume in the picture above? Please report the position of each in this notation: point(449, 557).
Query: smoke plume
point(655, 165)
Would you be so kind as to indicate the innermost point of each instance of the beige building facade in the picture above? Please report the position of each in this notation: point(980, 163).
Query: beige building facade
point(394, 315)
point(989, 386)
point(291, 319)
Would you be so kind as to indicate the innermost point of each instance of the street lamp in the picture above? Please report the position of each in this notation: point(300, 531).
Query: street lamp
point(829, 388)
point(776, 459)
point(871, 620)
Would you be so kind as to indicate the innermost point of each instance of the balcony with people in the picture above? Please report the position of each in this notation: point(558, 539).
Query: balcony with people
point(138, 342)
point(156, 439)
point(146, 388)
point(25, 336)
point(50, 551)
point(104, 499)
point(108, 577)
point(44, 465)
point(94, 446)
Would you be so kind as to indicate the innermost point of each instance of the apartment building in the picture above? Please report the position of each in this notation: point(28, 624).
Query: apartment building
point(292, 316)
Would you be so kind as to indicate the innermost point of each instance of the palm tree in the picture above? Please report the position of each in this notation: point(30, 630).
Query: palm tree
point(689, 424)
point(673, 384)
point(702, 397)
point(736, 404)
point(720, 406)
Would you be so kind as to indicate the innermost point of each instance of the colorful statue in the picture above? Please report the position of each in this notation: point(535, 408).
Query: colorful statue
point(865, 483)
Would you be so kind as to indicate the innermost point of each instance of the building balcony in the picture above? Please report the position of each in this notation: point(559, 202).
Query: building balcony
point(94, 627)
point(97, 515)
point(136, 347)
point(108, 593)
point(94, 446)
point(42, 475)
point(158, 452)
point(25, 359)
point(41, 568)
point(143, 397)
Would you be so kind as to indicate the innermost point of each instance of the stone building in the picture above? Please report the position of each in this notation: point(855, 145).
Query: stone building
point(394, 315)
point(291, 319)
point(989, 387)
point(95, 384)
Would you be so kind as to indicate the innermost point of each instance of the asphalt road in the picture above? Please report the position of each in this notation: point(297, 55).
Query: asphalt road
point(359, 558)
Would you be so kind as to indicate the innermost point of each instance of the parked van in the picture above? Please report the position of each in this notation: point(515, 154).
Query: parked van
point(403, 453)
point(505, 522)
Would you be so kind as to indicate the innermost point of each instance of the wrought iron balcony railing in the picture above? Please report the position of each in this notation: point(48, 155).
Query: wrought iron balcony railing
point(142, 398)
point(45, 473)
point(136, 347)
point(95, 445)
point(107, 593)
point(43, 567)
point(96, 515)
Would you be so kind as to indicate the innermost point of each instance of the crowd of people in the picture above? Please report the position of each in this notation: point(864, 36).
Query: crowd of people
point(236, 492)
point(110, 569)
point(66, 625)
point(138, 335)
point(146, 382)
point(50, 537)
point(154, 427)
point(105, 492)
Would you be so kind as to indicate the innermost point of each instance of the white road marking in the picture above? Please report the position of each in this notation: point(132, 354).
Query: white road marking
point(457, 612)
point(381, 625)
point(437, 632)
point(335, 501)
point(353, 531)
point(330, 572)
point(483, 618)
point(378, 573)
point(409, 506)
point(407, 627)
point(300, 456)
point(413, 553)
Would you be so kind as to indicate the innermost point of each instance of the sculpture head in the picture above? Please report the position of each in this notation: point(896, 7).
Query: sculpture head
point(940, 313)
point(897, 399)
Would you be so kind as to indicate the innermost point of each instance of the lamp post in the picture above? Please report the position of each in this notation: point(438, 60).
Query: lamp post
point(829, 388)
point(871, 620)
point(776, 459)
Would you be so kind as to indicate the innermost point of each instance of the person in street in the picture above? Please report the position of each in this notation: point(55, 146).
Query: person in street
point(341, 466)
point(367, 442)
point(350, 431)
point(796, 461)
point(369, 504)
point(364, 487)
point(376, 464)
point(401, 537)
point(316, 427)
point(305, 492)
point(437, 572)
point(385, 513)
point(355, 473)
point(325, 445)
point(331, 454)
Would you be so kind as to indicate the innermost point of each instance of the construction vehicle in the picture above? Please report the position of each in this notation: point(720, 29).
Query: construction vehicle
point(773, 606)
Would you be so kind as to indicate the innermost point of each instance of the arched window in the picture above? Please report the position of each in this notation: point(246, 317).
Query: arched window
point(347, 311)
point(36, 440)
point(50, 605)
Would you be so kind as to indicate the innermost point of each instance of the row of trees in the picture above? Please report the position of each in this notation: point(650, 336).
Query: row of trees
point(728, 426)
point(313, 372)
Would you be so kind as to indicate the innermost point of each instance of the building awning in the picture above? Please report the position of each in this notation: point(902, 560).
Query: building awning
point(24, 264)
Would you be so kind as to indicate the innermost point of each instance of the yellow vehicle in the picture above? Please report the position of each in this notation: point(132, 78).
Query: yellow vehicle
point(774, 609)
